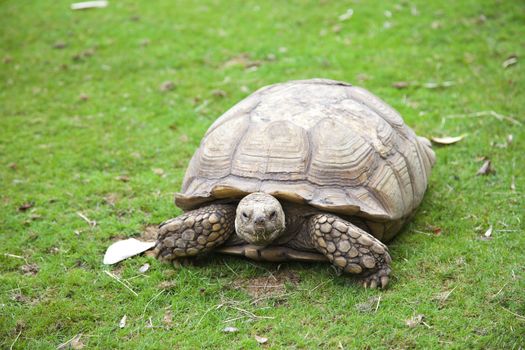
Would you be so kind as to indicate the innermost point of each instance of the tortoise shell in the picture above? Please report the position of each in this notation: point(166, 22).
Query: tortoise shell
point(324, 143)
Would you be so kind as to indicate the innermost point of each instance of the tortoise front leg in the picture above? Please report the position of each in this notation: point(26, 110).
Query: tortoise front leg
point(351, 249)
point(195, 232)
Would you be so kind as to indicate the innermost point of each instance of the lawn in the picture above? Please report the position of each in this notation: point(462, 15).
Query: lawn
point(101, 110)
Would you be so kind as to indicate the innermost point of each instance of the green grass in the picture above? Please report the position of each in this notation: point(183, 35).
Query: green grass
point(63, 154)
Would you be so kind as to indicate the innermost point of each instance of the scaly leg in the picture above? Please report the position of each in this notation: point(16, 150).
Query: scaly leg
point(195, 232)
point(351, 249)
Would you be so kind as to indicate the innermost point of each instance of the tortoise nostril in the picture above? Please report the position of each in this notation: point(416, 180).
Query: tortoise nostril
point(259, 220)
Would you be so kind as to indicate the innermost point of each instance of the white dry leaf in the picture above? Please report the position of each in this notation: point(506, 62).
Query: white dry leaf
point(230, 330)
point(144, 268)
point(485, 169)
point(89, 5)
point(121, 250)
point(261, 340)
point(434, 85)
point(510, 61)
point(122, 322)
point(488, 233)
point(447, 140)
point(349, 13)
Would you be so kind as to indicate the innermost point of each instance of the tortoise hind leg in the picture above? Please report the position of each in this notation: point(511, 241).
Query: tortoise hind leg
point(351, 249)
point(195, 232)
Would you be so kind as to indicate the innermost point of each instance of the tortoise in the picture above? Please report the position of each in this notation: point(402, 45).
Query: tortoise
point(307, 170)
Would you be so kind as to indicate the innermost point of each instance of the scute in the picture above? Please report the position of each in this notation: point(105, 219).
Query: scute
point(340, 156)
point(274, 150)
point(319, 142)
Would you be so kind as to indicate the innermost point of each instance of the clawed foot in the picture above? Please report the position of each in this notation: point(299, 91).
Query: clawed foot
point(194, 232)
point(378, 279)
point(351, 249)
point(183, 262)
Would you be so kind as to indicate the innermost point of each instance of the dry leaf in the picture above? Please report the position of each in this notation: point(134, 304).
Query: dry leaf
point(29, 269)
point(144, 268)
point(59, 45)
point(433, 85)
point(347, 15)
point(13, 165)
point(218, 93)
point(414, 321)
point(26, 206)
point(485, 168)
point(230, 330)
point(447, 140)
point(167, 86)
point(122, 322)
point(121, 250)
point(89, 5)
point(436, 25)
point(488, 233)
point(261, 340)
point(83, 97)
point(242, 59)
point(510, 61)
point(400, 84)
point(123, 178)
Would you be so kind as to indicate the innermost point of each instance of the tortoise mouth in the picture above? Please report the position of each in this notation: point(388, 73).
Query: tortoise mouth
point(260, 237)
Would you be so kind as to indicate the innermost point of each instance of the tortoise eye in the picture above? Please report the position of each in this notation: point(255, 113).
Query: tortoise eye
point(272, 215)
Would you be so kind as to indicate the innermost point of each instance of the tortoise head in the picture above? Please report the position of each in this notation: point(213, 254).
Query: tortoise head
point(259, 219)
